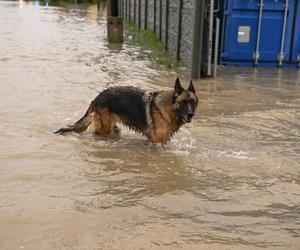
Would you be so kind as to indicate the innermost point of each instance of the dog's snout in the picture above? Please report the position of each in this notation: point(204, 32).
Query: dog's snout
point(190, 115)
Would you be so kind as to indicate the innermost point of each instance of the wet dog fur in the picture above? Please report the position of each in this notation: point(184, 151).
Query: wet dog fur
point(156, 115)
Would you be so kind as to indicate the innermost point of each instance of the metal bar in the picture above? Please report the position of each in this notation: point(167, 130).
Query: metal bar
point(197, 39)
point(123, 8)
point(256, 54)
point(139, 20)
point(223, 28)
point(154, 17)
point(108, 8)
point(126, 3)
point(200, 55)
point(134, 11)
point(178, 30)
point(217, 36)
point(167, 24)
point(129, 10)
point(113, 8)
point(160, 18)
point(281, 54)
point(119, 7)
point(146, 15)
point(210, 37)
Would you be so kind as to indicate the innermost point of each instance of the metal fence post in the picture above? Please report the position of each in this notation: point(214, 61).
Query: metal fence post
point(154, 17)
point(197, 39)
point(160, 18)
point(125, 14)
point(216, 46)
point(139, 20)
point(167, 24)
point(256, 54)
point(146, 15)
point(121, 8)
point(129, 10)
point(178, 30)
point(281, 54)
point(210, 36)
point(134, 11)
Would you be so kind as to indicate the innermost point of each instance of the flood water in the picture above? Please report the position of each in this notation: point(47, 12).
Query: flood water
point(228, 180)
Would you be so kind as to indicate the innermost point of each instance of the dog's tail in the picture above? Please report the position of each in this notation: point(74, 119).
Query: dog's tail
point(81, 125)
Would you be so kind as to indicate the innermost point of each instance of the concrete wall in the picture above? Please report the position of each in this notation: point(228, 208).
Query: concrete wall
point(186, 39)
point(153, 23)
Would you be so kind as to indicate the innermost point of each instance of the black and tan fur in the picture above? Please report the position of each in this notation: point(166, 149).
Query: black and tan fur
point(157, 115)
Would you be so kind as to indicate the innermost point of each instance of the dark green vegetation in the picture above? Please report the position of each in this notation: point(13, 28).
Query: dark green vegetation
point(145, 38)
point(149, 41)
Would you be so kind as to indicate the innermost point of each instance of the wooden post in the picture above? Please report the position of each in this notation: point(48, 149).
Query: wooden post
point(114, 23)
point(115, 29)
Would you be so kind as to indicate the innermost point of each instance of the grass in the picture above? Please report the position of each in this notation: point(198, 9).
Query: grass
point(148, 40)
point(145, 38)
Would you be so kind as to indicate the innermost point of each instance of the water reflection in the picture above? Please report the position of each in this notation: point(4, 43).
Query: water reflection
point(228, 180)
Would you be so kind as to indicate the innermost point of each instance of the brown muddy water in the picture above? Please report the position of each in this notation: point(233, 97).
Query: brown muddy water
point(229, 180)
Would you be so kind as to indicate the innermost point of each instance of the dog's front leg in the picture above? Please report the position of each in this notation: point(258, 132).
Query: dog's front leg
point(161, 137)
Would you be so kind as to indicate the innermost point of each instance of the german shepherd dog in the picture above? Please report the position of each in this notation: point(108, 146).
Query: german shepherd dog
point(156, 115)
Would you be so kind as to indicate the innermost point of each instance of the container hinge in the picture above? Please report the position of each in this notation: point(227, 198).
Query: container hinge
point(256, 56)
point(280, 58)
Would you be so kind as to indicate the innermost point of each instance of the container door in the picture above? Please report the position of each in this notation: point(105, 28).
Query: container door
point(295, 58)
point(252, 29)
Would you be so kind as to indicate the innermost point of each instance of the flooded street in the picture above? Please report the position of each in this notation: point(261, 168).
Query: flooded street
point(228, 180)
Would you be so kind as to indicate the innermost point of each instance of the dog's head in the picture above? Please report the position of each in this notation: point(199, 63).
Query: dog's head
point(184, 101)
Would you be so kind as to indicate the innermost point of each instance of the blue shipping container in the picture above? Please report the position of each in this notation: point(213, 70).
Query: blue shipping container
point(261, 32)
point(295, 49)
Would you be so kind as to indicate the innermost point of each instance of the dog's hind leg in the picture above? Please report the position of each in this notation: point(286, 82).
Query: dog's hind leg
point(80, 126)
point(103, 122)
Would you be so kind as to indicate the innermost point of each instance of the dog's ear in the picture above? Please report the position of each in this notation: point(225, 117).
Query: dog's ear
point(191, 87)
point(178, 88)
